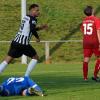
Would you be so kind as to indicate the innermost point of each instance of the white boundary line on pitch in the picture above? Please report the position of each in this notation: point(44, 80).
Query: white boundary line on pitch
point(54, 41)
point(43, 72)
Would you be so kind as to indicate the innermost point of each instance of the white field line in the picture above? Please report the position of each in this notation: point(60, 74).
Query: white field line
point(54, 41)
point(42, 72)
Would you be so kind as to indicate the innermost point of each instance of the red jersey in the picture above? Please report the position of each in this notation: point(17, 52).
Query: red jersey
point(89, 27)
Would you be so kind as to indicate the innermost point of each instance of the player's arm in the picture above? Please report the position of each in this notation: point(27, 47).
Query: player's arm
point(98, 30)
point(34, 31)
point(36, 36)
point(98, 34)
point(82, 28)
point(42, 27)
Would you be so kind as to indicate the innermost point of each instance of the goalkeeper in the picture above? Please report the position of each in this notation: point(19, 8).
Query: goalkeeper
point(20, 86)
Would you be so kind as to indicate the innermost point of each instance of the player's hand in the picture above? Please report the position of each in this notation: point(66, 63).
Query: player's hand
point(37, 40)
point(45, 26)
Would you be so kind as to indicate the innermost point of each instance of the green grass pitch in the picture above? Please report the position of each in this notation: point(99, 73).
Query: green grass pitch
point(60, 81)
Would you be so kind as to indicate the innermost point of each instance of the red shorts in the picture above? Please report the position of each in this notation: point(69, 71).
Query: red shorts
point(89, 52)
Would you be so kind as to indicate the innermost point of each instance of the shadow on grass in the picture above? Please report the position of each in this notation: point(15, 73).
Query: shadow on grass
point(57, 84)
point(72, 31)
point(11, 98)
point(66, 37)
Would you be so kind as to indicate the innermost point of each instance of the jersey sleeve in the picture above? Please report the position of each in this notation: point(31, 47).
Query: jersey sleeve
point(97, 23)
point(33, 28)
point(30, 82)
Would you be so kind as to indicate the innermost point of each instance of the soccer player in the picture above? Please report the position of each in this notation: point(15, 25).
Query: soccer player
point(91, 41)
point(20, 44)
point(20, 86)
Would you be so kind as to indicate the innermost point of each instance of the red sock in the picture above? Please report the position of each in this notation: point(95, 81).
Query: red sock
point(97, 68)
point(85, 70)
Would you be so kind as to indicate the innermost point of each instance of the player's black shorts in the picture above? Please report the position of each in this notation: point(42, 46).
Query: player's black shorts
point(17, 50)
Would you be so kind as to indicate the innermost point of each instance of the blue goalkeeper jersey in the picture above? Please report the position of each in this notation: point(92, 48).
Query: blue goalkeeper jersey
point(15, 85)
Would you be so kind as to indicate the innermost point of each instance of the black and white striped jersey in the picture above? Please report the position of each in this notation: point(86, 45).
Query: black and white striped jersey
point(27, 29)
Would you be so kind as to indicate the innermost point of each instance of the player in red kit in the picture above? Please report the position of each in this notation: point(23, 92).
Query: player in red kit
point(91, 41)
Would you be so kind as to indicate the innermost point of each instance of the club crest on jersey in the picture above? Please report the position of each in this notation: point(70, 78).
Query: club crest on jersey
point(34, 22)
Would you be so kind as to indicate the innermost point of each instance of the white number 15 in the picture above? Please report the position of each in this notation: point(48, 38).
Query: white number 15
point(88, 28)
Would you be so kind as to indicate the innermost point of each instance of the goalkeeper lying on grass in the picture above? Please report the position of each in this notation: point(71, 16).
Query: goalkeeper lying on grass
point(20, 86)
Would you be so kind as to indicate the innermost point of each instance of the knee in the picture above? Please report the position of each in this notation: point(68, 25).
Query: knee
point(8, 59)
point(86, 59)
point(35, 57)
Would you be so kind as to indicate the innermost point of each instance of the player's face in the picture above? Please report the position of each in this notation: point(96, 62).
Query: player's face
point(35, 11)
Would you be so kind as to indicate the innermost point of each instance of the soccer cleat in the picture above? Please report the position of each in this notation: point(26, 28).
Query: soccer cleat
point(96, 79)
point(34, 91)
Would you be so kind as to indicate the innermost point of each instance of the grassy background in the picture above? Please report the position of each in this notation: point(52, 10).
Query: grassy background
point(60, 81)
point(63, 18)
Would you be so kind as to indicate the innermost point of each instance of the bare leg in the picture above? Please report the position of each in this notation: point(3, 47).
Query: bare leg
point(8, 59)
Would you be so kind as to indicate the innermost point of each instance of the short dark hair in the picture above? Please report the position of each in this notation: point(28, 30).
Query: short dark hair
point(33, 6)
point(88, 10)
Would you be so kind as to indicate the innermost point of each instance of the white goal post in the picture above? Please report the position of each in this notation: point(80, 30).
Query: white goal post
point(23, 13)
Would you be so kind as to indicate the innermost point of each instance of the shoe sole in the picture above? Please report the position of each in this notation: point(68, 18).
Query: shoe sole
point(36, 92)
